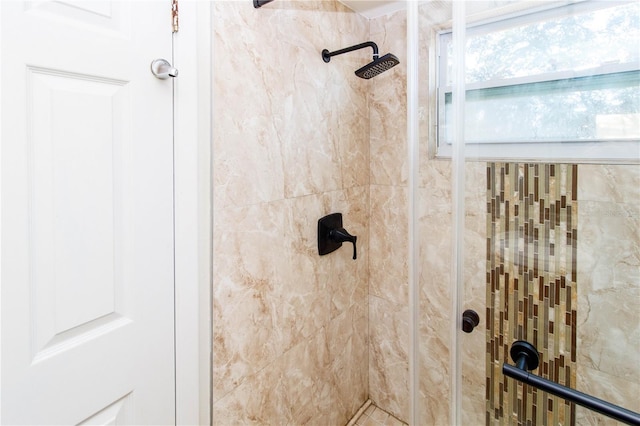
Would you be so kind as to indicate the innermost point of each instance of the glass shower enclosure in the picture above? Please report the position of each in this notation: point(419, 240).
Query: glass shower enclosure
point(527, 216)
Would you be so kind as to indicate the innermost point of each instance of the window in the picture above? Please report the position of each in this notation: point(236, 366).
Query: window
point(563, 83)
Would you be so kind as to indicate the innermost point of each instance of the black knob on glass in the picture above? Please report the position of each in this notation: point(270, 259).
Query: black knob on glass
point(470, 320)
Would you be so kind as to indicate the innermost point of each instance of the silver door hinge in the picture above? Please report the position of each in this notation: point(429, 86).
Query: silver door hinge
point(174, 16)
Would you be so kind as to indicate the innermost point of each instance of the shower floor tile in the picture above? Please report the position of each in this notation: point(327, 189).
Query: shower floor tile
point(370, 415)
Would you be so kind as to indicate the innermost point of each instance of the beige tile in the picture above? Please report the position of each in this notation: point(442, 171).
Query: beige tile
point(388, 105)
point(368, 421)
point(375, 416)
point(388, 244)
point(609, 183)
point(380, 416)
point(370, 409)
point(609, 281)
point(392, 421)
point(388, 359)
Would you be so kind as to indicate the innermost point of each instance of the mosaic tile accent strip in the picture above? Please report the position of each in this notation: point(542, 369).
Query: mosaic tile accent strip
point(531, 286)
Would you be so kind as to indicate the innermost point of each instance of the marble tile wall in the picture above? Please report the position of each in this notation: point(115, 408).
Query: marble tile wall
point(608, 341)
point(388, 275)
point(290, 145)
point(435, 247)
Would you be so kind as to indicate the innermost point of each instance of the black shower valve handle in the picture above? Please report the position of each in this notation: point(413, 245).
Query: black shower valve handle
point(331, 234)
point(340, 235)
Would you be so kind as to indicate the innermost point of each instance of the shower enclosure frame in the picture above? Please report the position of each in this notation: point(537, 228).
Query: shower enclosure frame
point(413, 151)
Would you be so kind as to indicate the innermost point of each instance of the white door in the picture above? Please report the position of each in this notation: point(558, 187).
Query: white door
point(87, 249)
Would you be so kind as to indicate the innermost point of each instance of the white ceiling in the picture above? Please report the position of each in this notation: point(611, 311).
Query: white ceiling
point(374, 8)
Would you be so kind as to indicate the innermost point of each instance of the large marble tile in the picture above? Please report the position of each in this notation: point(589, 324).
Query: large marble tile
point(388, 356)
point(313, 383)
point(388, 244)
point(388, 104)
point(247, 244)
point(348, 340)
point(435, 345)
point(611, 183)
point(609, 388)
point(248, 163)
point(279, 393)
point(609, 281)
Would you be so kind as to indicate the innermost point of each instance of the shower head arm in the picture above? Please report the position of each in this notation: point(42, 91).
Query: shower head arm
point(326, 55)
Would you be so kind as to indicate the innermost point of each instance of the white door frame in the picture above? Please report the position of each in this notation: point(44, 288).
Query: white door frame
point(192, 220)
point(192, 56)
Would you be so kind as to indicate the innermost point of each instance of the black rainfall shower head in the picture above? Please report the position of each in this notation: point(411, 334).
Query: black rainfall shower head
point(378, 66)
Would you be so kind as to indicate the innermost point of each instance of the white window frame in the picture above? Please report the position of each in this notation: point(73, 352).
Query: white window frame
point(624, 151)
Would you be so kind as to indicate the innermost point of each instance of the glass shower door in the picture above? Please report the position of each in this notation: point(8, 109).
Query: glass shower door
point(549, 246)
point(551, 256)
point(536, 225)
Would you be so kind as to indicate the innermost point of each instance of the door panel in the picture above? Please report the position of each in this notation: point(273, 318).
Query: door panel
point(118, 413)
point(74, 221)
point(87, 214)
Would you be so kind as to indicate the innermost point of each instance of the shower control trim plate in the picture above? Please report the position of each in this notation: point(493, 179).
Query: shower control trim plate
point(331, 235)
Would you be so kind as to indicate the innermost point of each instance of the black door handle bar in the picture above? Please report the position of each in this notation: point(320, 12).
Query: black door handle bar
point(526, 358)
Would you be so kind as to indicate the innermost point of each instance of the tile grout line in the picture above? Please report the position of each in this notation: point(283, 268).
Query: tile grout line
point(359, 413)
